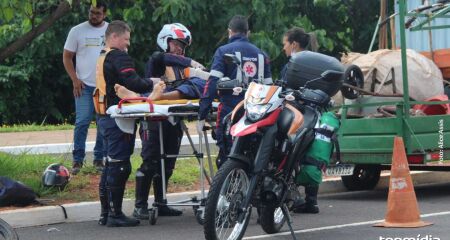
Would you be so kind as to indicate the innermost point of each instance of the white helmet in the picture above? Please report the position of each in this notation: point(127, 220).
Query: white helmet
point(176, 31)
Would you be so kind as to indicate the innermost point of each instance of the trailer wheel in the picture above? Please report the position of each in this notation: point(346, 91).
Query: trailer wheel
point(365, 177)
point(354, 77)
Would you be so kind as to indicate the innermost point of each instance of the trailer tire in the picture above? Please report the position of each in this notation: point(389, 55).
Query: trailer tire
point(355, 77)
point(365, 177)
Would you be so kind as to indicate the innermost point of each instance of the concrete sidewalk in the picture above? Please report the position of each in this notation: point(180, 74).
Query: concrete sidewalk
point(61, 141)
point(57, 136)
point(90, 211)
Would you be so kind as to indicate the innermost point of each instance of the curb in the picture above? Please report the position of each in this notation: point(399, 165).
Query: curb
point(89, 211)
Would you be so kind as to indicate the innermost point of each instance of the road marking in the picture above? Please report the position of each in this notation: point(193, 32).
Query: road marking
point(335, 227)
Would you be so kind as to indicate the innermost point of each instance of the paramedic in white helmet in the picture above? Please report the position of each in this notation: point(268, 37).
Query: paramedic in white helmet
point(170, 65)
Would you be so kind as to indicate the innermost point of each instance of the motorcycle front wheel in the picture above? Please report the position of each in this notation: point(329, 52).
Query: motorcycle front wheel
point(224, 218)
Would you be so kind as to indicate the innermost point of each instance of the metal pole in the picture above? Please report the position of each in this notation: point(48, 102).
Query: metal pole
point(163, 168)
point(406, 133)
point(402, 9)
point(374, 35)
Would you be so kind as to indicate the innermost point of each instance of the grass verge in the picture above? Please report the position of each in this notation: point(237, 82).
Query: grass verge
point(36, 127)
point(28, 169)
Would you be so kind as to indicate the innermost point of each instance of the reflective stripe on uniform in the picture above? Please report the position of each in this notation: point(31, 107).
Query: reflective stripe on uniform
point(260, 68)
point(268, 81)
point(238, 70)
point(215, 73)
point(113, 160)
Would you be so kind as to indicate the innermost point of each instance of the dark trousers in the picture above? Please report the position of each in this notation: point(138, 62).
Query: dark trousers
point(150, 169)
point(224, 140)
point(120, 147)
point(311, 192)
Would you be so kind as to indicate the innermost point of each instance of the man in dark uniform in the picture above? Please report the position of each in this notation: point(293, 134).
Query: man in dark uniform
point(254, 63)
point(118, 68)
point(170, 65)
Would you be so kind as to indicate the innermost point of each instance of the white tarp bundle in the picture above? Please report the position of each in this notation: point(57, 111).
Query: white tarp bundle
point(424, 77)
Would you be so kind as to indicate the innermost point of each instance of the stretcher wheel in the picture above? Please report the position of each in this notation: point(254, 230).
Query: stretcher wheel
point(153, 216)
point(200, 215)
point(195, 208)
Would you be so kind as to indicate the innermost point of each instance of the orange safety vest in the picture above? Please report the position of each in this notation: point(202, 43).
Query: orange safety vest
point(99, 94)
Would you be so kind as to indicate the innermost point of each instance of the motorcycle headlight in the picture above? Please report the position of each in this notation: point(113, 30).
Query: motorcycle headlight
point(256, 111)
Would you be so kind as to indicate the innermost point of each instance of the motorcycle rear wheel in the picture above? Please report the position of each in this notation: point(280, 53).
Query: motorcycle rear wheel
point(223, 205)
point(272, 219)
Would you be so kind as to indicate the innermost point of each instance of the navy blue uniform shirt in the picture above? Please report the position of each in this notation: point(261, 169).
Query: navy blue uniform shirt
point(254, 63)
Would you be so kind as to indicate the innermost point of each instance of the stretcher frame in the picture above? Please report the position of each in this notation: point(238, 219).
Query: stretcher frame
point(197, 204)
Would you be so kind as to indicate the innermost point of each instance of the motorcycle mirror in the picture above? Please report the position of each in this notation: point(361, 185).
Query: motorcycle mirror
point(331, 75)
point(311, 81)
point(231, 58)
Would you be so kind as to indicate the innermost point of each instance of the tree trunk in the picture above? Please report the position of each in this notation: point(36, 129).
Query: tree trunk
point(19, 44)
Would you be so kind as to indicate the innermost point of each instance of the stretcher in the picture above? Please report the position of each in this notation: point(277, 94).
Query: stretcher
point(127, 112)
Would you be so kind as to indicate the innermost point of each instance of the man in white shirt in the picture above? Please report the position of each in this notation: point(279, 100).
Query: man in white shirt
point(84, 42)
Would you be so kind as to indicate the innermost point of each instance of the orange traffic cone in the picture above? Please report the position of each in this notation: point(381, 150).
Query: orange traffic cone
point(402, 207)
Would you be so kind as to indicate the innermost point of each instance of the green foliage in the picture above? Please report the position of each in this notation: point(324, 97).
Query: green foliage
point(36, 127)
point(34, 85)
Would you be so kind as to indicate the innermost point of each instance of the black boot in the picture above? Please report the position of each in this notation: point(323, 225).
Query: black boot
point(163, 210)
point(310, 205)
point(103, 195)
point(143, 183)
point(116, 218)
point(104, 210)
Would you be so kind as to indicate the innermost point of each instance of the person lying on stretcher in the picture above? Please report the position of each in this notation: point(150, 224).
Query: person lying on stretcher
point(170, 86)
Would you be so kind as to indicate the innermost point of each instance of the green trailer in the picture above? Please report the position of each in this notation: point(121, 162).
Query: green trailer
point(366, 144)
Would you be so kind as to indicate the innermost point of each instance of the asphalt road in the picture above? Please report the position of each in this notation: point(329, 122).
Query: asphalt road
point(348, 216)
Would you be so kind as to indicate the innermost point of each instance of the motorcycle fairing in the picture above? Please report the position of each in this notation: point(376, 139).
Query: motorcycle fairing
point(263, 92)
point(243, 128)
point(236, 109)
point(298, 120)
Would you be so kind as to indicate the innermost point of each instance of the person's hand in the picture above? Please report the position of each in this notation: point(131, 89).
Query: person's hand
point(78, 86)
point(155, 80)
point(196, 64)
point(200, 126)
